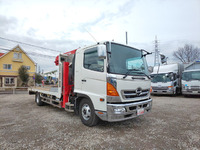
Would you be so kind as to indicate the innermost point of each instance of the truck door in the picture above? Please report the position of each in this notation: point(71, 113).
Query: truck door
point(93, 78)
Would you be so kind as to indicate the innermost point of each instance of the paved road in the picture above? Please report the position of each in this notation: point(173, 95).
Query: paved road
point(173, 123)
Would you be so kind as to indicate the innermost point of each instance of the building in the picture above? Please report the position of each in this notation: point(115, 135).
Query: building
point(192, 65)
point(10, 62)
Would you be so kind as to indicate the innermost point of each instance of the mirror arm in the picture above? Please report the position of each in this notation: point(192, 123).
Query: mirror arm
point(147, 53)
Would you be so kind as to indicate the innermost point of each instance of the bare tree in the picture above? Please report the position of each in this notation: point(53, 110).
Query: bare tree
point(187, 54)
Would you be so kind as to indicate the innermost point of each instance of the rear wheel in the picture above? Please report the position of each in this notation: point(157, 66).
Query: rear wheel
point(38, 99)
point(87, 113)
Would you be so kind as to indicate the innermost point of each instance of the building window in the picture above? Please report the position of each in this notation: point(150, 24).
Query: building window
point(9, 80)
point(7, 66)
point(17, 56)
point(28, 67)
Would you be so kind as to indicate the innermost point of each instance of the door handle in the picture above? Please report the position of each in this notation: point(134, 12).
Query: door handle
point(83, 80)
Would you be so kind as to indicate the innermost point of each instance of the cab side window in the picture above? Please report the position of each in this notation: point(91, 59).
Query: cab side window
point(92, 61)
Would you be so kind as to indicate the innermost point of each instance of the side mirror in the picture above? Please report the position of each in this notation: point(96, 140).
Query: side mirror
point(101, 51)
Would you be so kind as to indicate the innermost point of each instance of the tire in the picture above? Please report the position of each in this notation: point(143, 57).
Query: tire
point(174, 93)
point(87, 113)
point(38, 99)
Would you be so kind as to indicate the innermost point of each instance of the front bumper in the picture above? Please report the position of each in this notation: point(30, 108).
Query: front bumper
point(190, 92)
point(170, 92)
point(131, 111)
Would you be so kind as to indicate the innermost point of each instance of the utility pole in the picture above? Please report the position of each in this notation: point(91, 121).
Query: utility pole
point(39, 70)
point(157, 53)
point(35, 67)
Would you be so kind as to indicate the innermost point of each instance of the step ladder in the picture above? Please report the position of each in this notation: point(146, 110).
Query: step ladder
point(69, 107)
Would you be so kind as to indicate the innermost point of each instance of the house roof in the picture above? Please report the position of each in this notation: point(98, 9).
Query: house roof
point(25, 53)
point(3, 54)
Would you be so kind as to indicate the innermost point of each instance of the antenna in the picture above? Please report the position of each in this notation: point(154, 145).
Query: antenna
point(126, 38)
point(91, 35)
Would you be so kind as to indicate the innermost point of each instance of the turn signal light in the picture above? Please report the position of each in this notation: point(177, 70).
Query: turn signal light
point(150, 89)
point(111, 91)
point(101, 100)
point(101, 113)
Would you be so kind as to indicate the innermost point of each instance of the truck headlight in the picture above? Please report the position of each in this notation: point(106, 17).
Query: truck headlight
point(119, 110)
point(149, 104)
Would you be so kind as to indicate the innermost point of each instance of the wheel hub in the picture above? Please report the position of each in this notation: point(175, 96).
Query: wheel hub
point(86, 111)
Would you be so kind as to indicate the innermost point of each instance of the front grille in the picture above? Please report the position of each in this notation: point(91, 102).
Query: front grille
point(159, 88)
point(195, 87)
point(134, 94)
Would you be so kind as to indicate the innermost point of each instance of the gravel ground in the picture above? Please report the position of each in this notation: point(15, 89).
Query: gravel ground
point(173, 123)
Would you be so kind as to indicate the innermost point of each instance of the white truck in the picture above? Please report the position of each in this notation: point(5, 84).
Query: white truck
point(107, 81)
point(166, 79)
point(191, 82)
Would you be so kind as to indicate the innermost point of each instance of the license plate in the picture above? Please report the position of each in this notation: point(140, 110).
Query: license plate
point(140, 111)
point(195, 92)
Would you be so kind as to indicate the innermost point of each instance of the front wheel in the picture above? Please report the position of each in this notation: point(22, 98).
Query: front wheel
point(87, 113)
point(38, 99)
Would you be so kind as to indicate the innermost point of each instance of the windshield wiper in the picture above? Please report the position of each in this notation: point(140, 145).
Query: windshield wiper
point(129, 72)
point(144, 74)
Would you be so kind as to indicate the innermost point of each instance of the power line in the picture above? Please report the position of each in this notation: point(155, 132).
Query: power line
point(29, 44)
point(32, 53)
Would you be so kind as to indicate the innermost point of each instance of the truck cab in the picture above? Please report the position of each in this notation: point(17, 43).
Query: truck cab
point(114, 77)
point(191, 82)
point(166, 79)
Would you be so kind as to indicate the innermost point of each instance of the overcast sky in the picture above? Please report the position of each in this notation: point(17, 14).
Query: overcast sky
point(62, 25)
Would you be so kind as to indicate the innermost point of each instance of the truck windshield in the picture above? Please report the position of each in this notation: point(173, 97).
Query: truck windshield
point(126, 60)
point(193, 75)
point(160, 78)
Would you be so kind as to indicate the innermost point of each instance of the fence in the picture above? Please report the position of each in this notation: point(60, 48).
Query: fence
point(13, 90)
